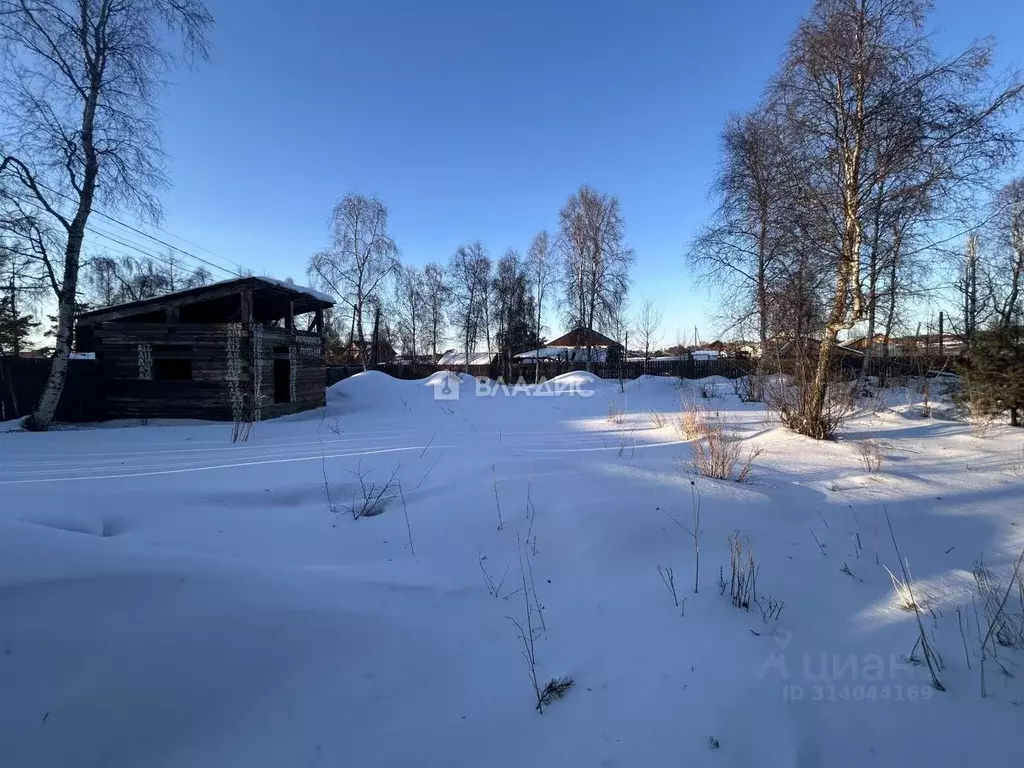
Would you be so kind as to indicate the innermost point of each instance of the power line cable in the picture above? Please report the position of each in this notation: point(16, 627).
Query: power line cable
point(237, 268)
point(184, 266)
point(184, 260)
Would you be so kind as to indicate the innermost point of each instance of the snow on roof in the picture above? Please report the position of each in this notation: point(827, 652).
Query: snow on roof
point(543, 352)
point(458, 357)
point(656, 359)
point(575, 354)
point(318, 295)
point(707, 354)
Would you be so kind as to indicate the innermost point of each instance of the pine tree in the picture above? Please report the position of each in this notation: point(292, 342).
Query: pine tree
point(14, 329)
point(996, 368)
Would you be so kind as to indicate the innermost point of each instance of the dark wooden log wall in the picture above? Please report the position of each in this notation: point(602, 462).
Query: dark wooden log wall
point(204, 396)
point(305, 353)
point(208, 392)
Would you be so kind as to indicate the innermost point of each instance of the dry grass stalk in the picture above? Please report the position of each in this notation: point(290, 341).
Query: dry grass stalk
point(616, 413)
point(497, 502)
point(669, 580)
point(718, 453)
point(493, 585)
point(370, 498)
point(555, 688)
point(1003, 628)
point(1007, 627)
point(931, 657)
point(872, 453)
point(743, 572)
point(693, 420)
point(405, 511)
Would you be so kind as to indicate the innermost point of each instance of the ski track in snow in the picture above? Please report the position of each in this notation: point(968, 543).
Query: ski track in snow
point(170, 599)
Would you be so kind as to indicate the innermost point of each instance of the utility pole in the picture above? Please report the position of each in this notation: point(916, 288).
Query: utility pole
point(942, 317)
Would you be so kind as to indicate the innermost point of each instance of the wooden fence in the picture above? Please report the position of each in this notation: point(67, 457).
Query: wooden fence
point(684, 369)
point(730, 368)
point(22, 381)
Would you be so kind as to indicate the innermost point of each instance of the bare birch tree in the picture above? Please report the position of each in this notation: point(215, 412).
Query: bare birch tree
point(596, 260)
point(410, 306)
point(969, 285)
point(542, 270)
point(436, 297)
point(111, 280)
point(647, 326)
point(469, 274)
point(361, 257)
point(857, 74)
point(78, 85)
point(1007, 254)
point(740, 252)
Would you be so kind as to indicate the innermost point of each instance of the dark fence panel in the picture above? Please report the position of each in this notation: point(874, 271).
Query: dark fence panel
point(548, 369)
point(22, 381)
point(885, 368)
point(902, 367)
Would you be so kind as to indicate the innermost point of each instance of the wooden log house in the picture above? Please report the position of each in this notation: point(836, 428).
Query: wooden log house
point(245, 349)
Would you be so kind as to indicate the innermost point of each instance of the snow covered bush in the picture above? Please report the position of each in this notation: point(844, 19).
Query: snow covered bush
point(1005, 625)
point(792, 401)
point(718, 452)
point(976, 404)
point(370, 498)
point(245, 417)
point(750, 388)
point(694, 419)
point(872, 453)
point(1005, 618)
point(616, 413)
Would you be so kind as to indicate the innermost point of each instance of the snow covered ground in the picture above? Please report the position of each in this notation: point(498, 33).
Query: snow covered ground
point(170, 599)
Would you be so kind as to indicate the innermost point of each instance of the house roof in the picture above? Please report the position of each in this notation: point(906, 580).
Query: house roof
point(809, 344)
point(266, 290)
point(383, 347)
point(577, 337)
point(573, 354)
point(458, 357)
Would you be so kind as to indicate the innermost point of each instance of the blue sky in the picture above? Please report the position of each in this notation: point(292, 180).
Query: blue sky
point(476, 119)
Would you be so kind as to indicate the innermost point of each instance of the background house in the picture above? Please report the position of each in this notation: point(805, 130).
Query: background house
point(381, 352)
point(573, 346)
point(457, 358)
